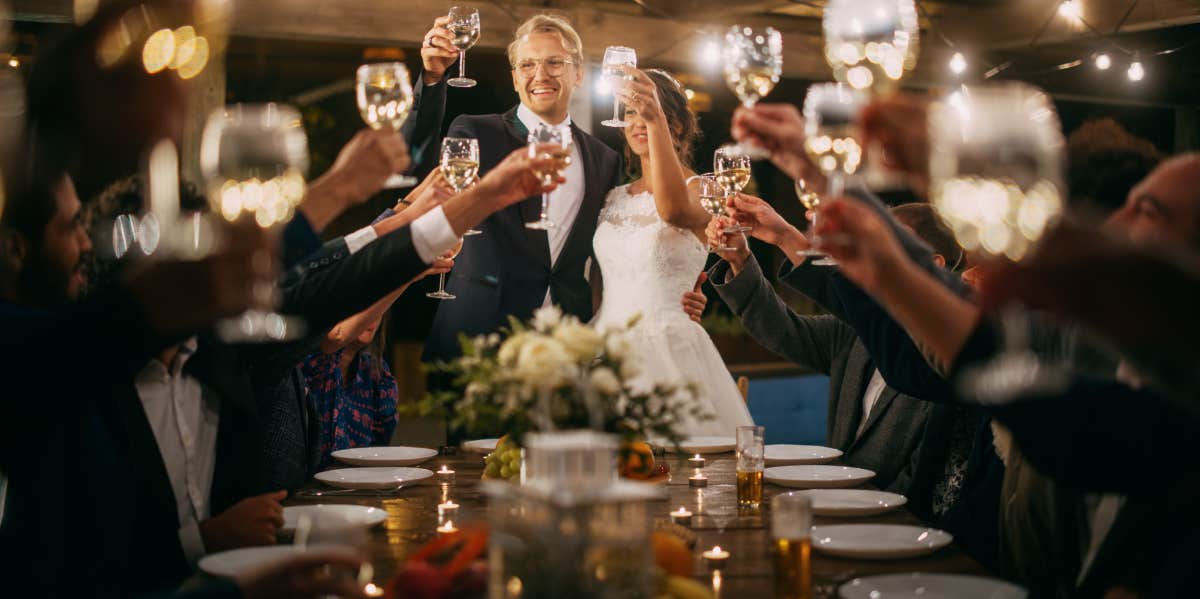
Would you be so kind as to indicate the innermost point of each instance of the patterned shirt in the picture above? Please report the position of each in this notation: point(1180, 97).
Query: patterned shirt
point(355, 413)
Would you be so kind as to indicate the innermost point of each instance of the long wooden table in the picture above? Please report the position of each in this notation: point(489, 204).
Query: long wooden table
point(412, 518)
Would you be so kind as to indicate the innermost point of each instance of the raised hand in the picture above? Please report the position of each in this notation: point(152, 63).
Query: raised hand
point(778, 128)
point(249, 522)
point(431, 192)
point(738, 251)
point(437, 51)
point(515, 178)
point(641, 95)
point(765, 222)
point(695, 301)
point(864, 246)
point(897, 123)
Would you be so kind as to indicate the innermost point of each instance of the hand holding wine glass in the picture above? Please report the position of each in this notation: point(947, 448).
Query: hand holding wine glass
point(730, 247)
point(713, 200)
point(780, 129)
point(384, 96)
point(450, 255)
point(463, 26)
point(460, 165)
point(641, 94)
point(731, 167)
point(550, 149)
point(437, 50)
point(616, 58)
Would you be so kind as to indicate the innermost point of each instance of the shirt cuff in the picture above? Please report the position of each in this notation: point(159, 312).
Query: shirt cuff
point(432, 235)
point(192, 542)
point(360, 238)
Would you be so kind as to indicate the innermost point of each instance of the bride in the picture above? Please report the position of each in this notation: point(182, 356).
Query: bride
point(650, 247)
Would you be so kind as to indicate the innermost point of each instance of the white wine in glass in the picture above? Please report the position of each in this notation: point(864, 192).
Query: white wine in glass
point(253, 158)
point(870, 44)
point(460, 165)
point(548, 142)
point(464, 31)
point(811, 201)
point(731, 168)
point(441, 292)
point(384, 95)
point(830, 112)
point(615, 59)
point(712, 200)
point(752, 61)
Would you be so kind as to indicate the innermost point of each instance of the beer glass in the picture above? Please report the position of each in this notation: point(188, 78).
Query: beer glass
point(791, 545)
point(749, 466)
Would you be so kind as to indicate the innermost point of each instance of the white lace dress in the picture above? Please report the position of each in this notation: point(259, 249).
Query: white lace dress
point(647, 266)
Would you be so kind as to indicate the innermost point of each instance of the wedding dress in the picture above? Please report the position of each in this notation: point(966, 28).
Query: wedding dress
point(647, 265)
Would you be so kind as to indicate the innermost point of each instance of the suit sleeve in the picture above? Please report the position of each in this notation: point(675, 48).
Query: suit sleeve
point(806, 340)
point(423, 128)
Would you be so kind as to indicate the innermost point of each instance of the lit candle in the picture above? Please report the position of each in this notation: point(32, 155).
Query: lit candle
point(447, 512)
point(698, 480)
point(447, 528)
point(372, 590)
point(716, 557)
point(696, 461)
point(682, 516)
point(445, 474)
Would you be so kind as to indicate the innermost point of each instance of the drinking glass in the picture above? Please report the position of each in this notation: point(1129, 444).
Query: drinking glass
point(441, 292)
point(253, 158)
point(460, 165)
point(720, 504)
point(731, 167)
point(752, 62)
point(811, 201)
point(713, 199)
point(384, 94)
point(750, 462)
point(464, 31)
point(871, 43)
point(791, 544)
point(330, 530)
point(615, 58)
point(830, 111)
point(548, 142)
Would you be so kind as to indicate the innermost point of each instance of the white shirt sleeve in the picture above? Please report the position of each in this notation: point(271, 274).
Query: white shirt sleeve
point(192, 541)
point(360, 238)
point(432, 235)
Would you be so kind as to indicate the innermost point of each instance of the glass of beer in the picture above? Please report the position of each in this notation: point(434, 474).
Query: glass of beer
point(791, 546)
point(750, 462)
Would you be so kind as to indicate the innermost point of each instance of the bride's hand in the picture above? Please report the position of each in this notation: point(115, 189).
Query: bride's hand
point(738, 253)
point(641, 95)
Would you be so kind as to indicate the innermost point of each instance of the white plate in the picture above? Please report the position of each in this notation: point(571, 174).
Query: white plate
point(480, 445)
point(232, 563)
point(817, 477)
point(789, 455)
point(919, 585)
point(701, 445)
point(853, 502)
point(878, 541)
point(384, 456)
point(372, 478)
point(354, 514)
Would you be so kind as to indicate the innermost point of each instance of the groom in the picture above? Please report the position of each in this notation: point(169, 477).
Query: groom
point(510, 269)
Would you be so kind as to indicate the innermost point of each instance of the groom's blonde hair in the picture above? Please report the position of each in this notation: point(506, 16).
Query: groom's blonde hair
point(545, 23)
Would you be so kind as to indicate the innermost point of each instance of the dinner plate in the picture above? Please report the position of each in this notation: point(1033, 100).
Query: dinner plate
point(353, 514)
point(920, 585)
point(373, 477)
point(232, 563)
point(789, 455)
point(853, 502)
point(384, 456)
point(480, 445)
point(701, 445)
point(878, 541)
point(817, 477)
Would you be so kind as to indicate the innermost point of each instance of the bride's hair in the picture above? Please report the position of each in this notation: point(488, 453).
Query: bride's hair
point(685, 128)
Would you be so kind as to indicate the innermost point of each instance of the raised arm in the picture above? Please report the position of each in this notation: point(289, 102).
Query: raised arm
point(423, 128)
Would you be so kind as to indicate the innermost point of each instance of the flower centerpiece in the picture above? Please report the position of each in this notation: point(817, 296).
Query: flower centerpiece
point(557, 373)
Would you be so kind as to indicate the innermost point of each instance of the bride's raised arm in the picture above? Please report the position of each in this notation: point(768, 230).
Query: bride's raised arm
point(663, 173)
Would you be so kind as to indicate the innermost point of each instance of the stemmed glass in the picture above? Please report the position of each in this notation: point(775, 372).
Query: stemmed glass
point(384, 94)
point(441, 292)
point(720, 504)
point(713, 199)
point(548, 142)
point(731, 168)
point(464, 31)
point(996, 179)
point(253, 158)
point(830, 111)
point(615, 58)
point(460, 165)
point(811, 201)
point(753, 61)
point(871, 43)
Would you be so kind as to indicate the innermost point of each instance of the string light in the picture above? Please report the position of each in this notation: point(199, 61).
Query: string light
point(1070, 9)
point(1103, 61)
point(710, 52)
point(1135, 72)
point(14, 62)
point(958, 63)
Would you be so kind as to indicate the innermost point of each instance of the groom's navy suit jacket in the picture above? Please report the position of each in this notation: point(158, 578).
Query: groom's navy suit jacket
point(507, 270)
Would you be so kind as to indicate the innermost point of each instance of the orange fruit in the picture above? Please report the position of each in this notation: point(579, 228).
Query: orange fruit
point(636, 460)
point(671, 554)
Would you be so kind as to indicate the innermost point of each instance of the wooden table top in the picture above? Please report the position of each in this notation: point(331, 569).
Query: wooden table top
point(412, 518)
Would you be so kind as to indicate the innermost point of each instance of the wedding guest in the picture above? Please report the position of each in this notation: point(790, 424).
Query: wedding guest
point(1103, 162)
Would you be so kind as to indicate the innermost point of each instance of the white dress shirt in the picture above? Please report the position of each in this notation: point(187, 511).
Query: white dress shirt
point(184, 419)
point(870, 396)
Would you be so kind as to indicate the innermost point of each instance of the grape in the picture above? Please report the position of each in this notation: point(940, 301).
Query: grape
point(506, 472)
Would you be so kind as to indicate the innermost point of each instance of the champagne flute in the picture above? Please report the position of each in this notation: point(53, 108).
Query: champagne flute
point(731, 168)
point(464, 31)
point(871, 43)
point(615, 59)
point(830, 110)
point(996, 179)
point(441, 292)
point(253, 158)
point(553, 143)
point(713, 199)
point(384, 94)
point(460, 165)
point(752, 61)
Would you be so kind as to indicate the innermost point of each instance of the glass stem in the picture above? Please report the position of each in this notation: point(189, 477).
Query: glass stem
point(545, 204)
point(616, 110)
point(462, 64)
point(837, 185)
point(442, 283)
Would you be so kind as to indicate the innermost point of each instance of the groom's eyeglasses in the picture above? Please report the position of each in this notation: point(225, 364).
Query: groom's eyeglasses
point(555, 65)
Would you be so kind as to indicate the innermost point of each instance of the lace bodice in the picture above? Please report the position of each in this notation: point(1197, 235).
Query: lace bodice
point(647, 264)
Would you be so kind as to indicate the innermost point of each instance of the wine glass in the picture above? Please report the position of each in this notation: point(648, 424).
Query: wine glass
point(328, 529)
point(720, 504)
point(460, 165)
point(753, 61)
point(871, 43)
point(811, 201)
point(464, 29)
point(253, 158)
point(384, 94)
point(713, 199)
point(548, 142)
point(615, 58)
point(830, 111)
point(996, 179)
point(731, 168)
point(441, 292)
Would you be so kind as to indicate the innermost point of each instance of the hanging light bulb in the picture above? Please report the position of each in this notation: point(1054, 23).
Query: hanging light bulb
point(1135, 72)
point(958, 63)
point(710, 52)
point(1069, 9)
point(1103, 61)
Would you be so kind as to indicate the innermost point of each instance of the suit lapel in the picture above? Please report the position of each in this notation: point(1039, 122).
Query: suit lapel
point(849, 410)
point(529, 209)
point(881, 405)
point(594, 191)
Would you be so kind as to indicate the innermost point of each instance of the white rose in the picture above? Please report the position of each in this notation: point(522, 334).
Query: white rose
point(605, 381)
point(581, 341)
point(629, 370)
point(617, 346)
point(543, 362)
point(476, 388)
point(511, 349)
point(545, 319)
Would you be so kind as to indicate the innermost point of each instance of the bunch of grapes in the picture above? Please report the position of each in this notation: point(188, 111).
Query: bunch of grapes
point(504, 462)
